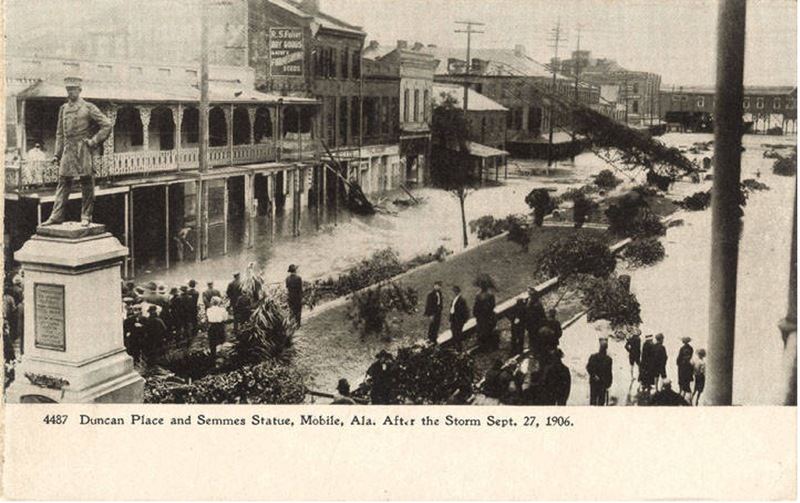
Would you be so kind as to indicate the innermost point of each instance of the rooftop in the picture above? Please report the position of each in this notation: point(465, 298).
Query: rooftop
point(502, 62)
point(477, 101)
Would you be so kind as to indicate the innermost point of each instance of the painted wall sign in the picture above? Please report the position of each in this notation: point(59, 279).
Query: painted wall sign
point(286, 52)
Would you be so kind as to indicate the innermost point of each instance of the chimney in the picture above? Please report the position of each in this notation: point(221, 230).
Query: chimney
point(402, 44)
point(373, 44)
point(431, 46)
point(519, 50)
point(478, 65)
point(417, 46)
point(310, 7)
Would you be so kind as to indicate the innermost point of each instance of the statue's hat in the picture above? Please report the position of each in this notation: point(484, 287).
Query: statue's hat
point(73, 82)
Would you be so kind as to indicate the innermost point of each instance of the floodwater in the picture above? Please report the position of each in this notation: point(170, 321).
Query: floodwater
point(344, 240)
point(674, 294)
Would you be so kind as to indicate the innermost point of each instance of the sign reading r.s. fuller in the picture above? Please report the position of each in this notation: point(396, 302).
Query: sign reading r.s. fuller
point(286, 52)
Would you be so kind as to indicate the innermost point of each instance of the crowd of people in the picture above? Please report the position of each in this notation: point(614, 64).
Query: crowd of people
point(650, 358)
point(13, 316)
point(155, 315)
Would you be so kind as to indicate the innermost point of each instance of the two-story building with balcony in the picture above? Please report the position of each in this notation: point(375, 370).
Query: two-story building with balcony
point(151, 193)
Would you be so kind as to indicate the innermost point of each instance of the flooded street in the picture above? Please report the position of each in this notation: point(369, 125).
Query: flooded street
point(674, 294)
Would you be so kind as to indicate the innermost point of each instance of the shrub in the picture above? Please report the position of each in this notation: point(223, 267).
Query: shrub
point(487, 227)
point(519, 232)
point(644, 252)
point(582, 208)
point(541, 203)
point(752, 185)
point(267, 334)
point(785, 166)
point(630, 216)
point(586, 190)
point(610, 299)
point(269, 382)
point(429, 375)
point(370, 308)
point(606, 180)
point(188, 363)
point(698, 201)
point(572, 256)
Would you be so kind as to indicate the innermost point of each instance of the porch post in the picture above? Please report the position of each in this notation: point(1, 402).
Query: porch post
point(39, 212)
point(177, 118)
point(225, 216)
point(272, 190)
point(251, 115)
point(229, 122)
point(131, 235)
point(249, 195)
point(166, 226)
point(144, 114)
point(127, 234)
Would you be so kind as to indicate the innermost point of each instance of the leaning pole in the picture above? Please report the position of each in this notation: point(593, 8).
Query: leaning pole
point(725, 201)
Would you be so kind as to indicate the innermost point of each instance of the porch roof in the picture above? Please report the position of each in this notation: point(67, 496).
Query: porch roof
point(104, 91)
point(479, 150)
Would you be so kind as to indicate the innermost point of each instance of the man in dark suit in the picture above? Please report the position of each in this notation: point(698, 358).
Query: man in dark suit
point(191, 308)
point(294, 287)
point(600, 374)
point(459, 314)
point(534, 318)
point(433, 310)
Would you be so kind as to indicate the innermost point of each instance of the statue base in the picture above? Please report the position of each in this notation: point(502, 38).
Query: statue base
point(74, 351)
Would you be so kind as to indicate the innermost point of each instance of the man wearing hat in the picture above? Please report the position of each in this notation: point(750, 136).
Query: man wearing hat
point(659, 368)
point(600, 376)
point(233, 292)
point(74, 149)
point(647, 376)
point(534, 317)
point(379, 377)
point(685, 368)
point(294, 286)
point(433, 311)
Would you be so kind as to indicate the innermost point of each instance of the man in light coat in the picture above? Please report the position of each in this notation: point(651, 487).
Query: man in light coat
point(74, 149)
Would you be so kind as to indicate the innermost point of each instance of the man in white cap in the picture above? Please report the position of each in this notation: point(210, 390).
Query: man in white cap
point(74, 149)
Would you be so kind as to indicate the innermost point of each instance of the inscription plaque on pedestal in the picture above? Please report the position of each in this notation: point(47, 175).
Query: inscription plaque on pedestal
point(49, 310)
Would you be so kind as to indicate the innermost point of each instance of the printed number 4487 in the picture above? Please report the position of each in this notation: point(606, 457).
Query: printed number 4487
point(55, 419)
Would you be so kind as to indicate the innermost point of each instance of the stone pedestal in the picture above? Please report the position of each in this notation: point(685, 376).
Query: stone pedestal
point(74, 350)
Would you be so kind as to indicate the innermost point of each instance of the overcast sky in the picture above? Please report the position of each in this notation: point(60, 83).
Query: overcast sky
point(675, 38)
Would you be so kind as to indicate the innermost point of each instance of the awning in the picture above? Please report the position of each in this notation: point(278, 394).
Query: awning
point(151, 94)
point(478, 150)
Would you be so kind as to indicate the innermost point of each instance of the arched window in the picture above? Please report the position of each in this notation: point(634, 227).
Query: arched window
point(161, 129)
point(128, 130)
point(241, 126)
point(217, 128)
point(190, 127)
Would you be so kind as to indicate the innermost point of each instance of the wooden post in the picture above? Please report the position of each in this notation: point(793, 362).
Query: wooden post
point(127, 233)
point(249, 196)
point(39, 212)
point(272, 190)
point(131, 244)
point(725, 211)
point(166, 226)
point(225, 216)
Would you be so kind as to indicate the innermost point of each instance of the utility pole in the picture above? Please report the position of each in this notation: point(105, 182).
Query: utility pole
point(577, 63)
point(726, 222)
point(555, 39)
point(469, 31)
point(626, 98)
point(202, 193)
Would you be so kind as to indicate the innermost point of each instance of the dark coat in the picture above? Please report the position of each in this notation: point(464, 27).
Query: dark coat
point(659, 359)
point(461, 312)
point(555, 384)
point(434, 303)
point(667, 397)
point(634, 348)
point(234, 291)
point(483, 309)
point(294, 286)
point(210, 294)
point(646, 372)
point(534, 315)
point(599, 367)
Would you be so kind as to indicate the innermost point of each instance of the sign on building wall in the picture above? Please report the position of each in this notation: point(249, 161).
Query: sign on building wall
point(286, 52)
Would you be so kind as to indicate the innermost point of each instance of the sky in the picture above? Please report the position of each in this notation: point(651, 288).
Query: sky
point(675, 38)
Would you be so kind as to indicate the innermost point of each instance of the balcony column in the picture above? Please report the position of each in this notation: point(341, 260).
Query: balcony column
point(108, 144)
point(166, 226)
point(251, 115)
point(249, 211)
point(144, 114)
point(229, 122)
point(177, 116)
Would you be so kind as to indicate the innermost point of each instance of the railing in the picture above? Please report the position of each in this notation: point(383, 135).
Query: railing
point(28, 174)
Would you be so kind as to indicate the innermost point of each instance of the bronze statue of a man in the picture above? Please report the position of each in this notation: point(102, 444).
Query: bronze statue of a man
point(74, 148)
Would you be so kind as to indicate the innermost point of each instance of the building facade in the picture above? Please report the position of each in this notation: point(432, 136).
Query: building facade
point(517, 82)
point(632, 95)
point(765, 108)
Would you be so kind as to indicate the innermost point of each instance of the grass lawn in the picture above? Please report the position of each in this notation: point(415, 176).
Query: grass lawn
point(328, 347)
